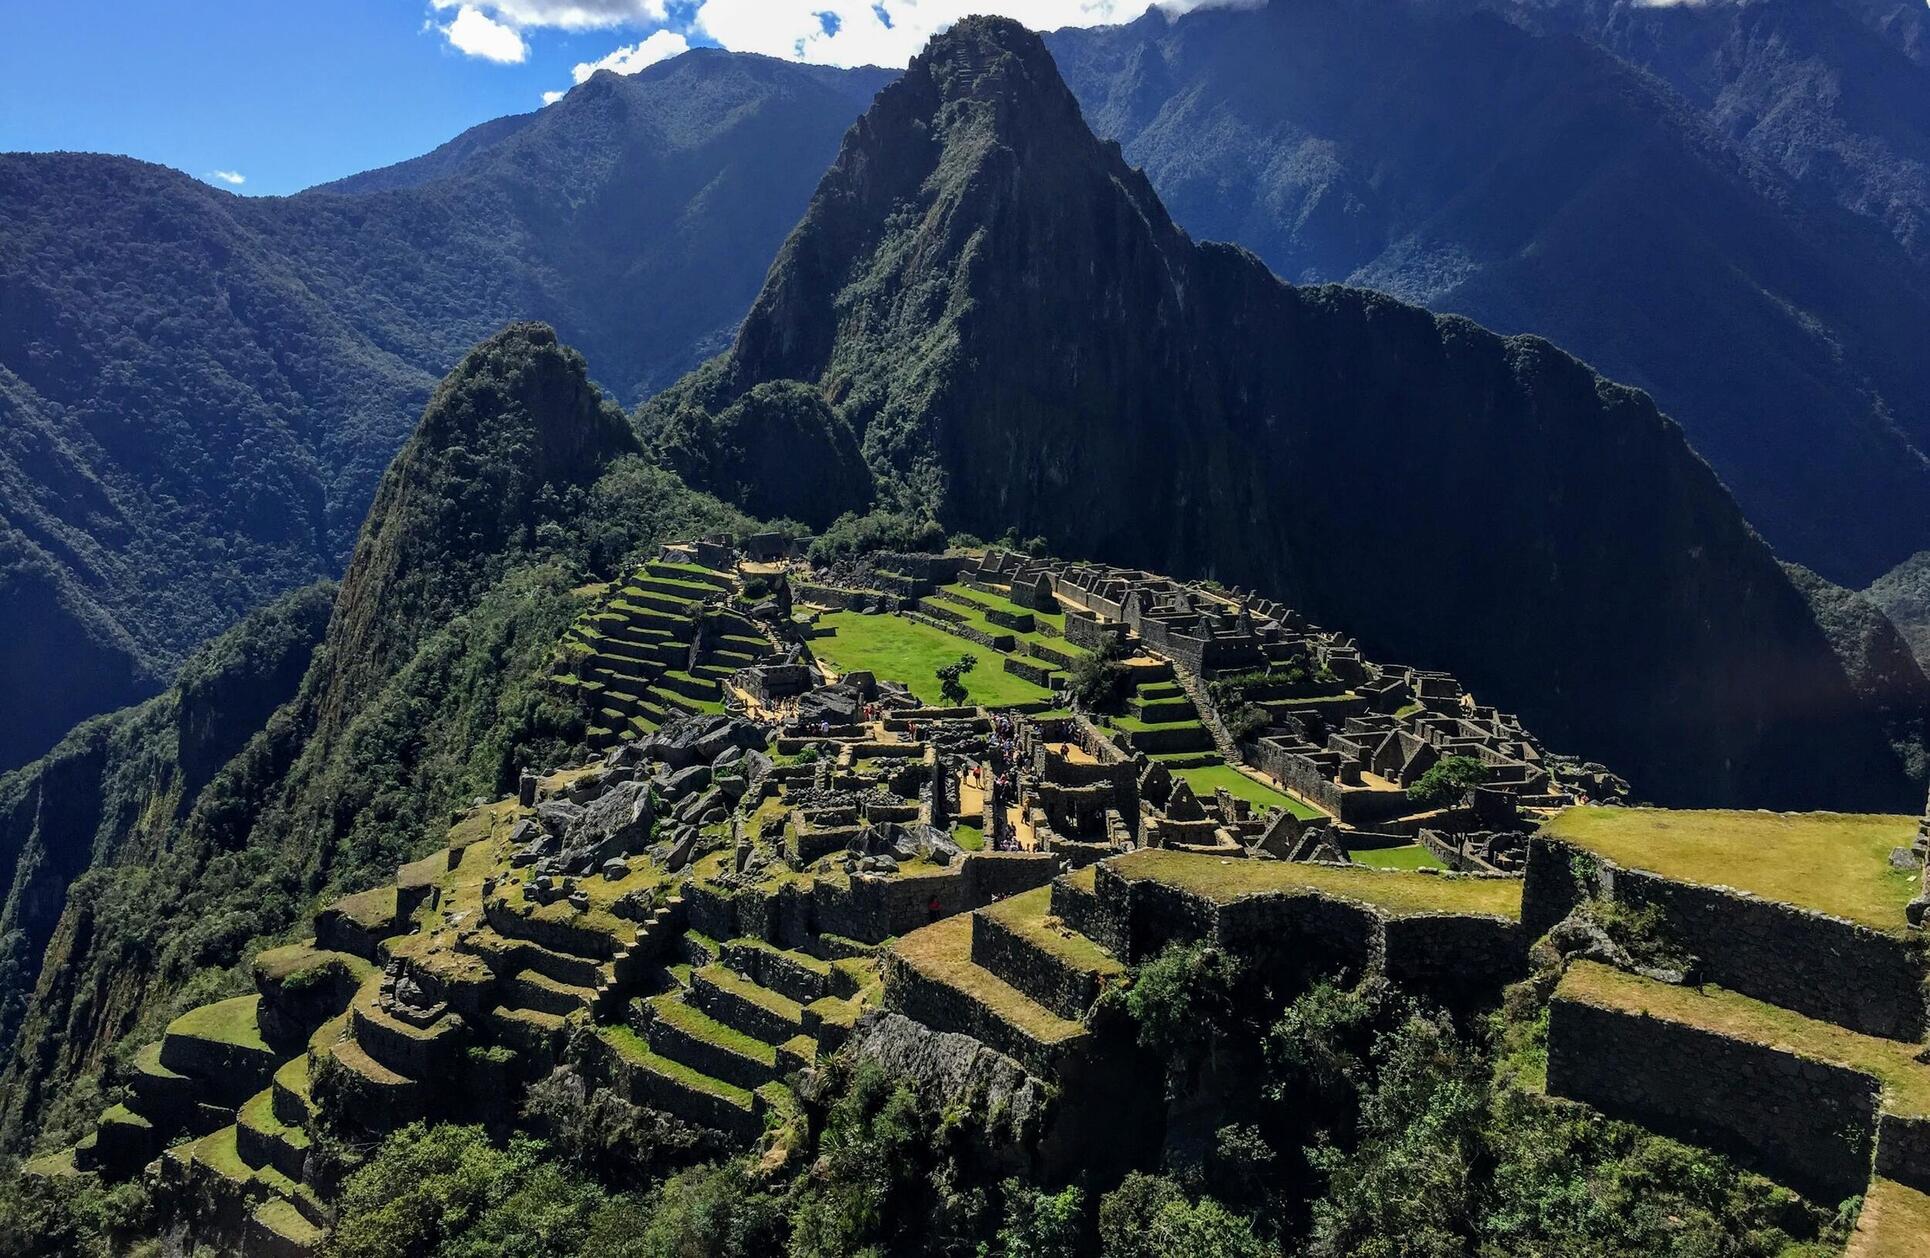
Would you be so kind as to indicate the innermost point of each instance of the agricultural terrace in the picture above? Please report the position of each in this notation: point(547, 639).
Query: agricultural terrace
point(1399, 893)
point(1906, 1081)
point(1835, 863)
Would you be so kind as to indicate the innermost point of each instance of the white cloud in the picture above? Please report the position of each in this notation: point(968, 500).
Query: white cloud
point(888, 32)
point(660, 46)
point(568, 15)
point(478, 35)
point(550, 98)
point(233, 178)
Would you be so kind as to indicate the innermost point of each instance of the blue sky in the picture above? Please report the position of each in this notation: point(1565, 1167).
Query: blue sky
point(283, 95)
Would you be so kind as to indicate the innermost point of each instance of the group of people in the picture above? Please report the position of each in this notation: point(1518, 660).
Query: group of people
point(996, 777)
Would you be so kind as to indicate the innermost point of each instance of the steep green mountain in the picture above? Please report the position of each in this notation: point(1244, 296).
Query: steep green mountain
point(1878, 660)
point(1904, 595)
point(1682, 233)
point(153, 847)
point(1003, 309)
point(198, 391)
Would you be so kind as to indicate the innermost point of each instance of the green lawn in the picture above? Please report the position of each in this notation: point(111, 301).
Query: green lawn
point(1397, 892)
point(1205, 781)
point(1413, 856)
point(969, 835)
point(1837, 863)
point(903, 650)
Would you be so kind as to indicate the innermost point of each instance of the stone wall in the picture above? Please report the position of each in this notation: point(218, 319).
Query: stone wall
point(970, 633)
point(1305, 935)
point(1903, 1150)
point(1820, 966)
point(1806, 1124)
point(870, 908)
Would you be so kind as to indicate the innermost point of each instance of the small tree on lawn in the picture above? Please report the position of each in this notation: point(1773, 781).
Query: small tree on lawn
point(1450, 782)
point(950, 683)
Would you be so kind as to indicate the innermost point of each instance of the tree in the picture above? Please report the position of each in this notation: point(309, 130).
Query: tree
point(1097, 681)
point(1040, 1224)
point(949, 678)
point(1450, 782)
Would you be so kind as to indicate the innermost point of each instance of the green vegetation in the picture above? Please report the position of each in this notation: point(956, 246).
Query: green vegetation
point(1098, 682)
point(1448, 783)
point(1209, 778)
point(892, 646)
point(951, 683)
point(1412, 856)
point(851, 535)
point(944, 952)
point(229, 1021)
point(1837, 863)
point(1391, 891)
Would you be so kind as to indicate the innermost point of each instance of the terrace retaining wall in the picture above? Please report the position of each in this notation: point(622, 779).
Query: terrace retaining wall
point(1820, 966)
point(1806, 1124)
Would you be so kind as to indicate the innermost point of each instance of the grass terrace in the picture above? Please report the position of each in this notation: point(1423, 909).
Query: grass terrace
point(230, 1021)
point(1906, 1081)
point(1205, 781)
point(943, 953)
point(1836, 863)
point(1412, 856)
point(1894, 1222)
point(903, 650)
point(1026, 915)
point(1395, 892)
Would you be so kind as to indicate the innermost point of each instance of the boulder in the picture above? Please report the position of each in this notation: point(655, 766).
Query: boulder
point(685, 782)
point(836, 704)
point(557, 815)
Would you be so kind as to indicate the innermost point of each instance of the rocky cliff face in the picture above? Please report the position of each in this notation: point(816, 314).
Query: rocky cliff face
point(1003, 308)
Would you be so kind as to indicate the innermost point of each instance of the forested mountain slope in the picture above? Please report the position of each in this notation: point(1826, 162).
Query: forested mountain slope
point(1001, 307)
point(146, 854)
point(1684, 234)
point(198, 391)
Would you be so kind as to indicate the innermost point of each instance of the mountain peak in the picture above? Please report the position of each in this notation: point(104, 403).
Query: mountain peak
point(1019, 338)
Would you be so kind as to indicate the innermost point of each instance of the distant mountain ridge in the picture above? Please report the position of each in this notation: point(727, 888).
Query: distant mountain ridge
point(1001, 309)
point(1537, 167)
point(198, 391)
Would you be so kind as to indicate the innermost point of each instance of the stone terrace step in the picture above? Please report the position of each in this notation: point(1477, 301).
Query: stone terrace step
point(1895, 1223)
point(684, 1033)
point(221, 1047)
point(930, 976)
point(263, 1139)
point(532, 1032)
point(294, 1100)
point(1061, 970)
point(418, 1052)
point(277, 1229)
point(648, 1078)
point(797, 975)
point(383, 1098)
point(735, 1001)
point(1805, 1101)
point(530, 989)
